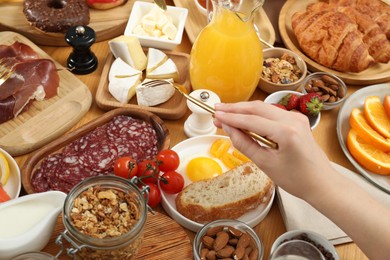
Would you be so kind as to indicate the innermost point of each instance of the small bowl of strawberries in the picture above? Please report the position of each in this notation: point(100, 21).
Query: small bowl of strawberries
point(308, 104)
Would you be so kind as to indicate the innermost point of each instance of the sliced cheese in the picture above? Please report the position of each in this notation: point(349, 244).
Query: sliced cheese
point(165, 71)
point(123, 89)
point(120, 69)
point(129, 49)
point(152, 96)
point(155, 59)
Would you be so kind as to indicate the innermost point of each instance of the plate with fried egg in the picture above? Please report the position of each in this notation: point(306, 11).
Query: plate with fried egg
point(197, 163)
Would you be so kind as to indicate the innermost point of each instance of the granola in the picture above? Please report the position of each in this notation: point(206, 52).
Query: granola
point(283, 70)
point(103, 213)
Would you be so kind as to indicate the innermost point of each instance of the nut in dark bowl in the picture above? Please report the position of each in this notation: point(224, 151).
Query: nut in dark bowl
point(331, 88)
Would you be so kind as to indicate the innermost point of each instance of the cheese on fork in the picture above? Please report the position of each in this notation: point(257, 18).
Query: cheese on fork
point(165, 71)
point(129, 49)
point(123, 89)
point(120, 69)
point(152, 96)
point(155, 59)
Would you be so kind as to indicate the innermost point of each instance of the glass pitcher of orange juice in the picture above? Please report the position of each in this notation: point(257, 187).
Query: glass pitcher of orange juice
point(227, 56)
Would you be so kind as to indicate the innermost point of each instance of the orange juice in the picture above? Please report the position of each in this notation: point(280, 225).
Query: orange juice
point(227, 58)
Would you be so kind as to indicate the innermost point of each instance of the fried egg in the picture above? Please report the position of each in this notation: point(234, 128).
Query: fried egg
point(201, 168)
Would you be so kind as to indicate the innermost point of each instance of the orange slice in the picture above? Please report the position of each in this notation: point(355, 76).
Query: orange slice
point(386, 105)
point(359, 123)
point(376, 115)
point(367, 155)
point(240, 155)
point(219, 147)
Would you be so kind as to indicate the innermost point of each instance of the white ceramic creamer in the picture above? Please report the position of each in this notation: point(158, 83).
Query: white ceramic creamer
point(26, 223)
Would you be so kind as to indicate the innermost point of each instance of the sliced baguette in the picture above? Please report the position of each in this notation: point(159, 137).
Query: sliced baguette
point(229, 195)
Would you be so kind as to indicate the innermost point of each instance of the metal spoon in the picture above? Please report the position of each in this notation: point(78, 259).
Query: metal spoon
point(161, 4)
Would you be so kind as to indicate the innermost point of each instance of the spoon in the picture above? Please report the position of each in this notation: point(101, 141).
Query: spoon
point(161, 4)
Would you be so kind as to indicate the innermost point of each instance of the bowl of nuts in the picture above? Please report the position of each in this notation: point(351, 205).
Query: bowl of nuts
point(331, 88)
point(227, 239)
point(282, 70)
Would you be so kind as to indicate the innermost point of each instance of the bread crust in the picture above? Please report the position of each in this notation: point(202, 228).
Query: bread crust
point(231, 209)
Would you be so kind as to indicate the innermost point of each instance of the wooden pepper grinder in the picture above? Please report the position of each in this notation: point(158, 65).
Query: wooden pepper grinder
point(81, 60)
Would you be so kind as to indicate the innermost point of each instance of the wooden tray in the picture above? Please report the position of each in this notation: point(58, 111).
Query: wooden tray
point(46, 120)
point(375, 74)
point(106, 23)
point(163, 239)
point(34, 160)
point(196, 21)
point(174, 108)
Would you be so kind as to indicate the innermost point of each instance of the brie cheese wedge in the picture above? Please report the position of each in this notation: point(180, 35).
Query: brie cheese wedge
point(123, 89)
point(155, 59)
point(165, 71)
point(129, 49)
point(120, 69)
point(152, 96)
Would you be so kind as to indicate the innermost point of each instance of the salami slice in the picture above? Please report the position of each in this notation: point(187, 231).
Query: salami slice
point(100, 156)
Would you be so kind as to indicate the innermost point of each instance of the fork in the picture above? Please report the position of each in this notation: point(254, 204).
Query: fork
point(205, 106)
point(6, 70)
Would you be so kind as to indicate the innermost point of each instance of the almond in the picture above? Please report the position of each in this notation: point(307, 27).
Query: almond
point(225, 252)
point(212, 232)
point(244, 241)
point(221, 240)
point(208, 242)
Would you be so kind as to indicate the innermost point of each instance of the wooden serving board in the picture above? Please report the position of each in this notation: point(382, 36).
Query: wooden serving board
point(106, 23)
point(34, 160)
point(45, 120)
point(174, 108)
point(163, 239)
point(196, 21)
point(375, 74)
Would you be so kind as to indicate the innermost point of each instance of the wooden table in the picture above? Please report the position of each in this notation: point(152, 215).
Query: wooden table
point(272, 226)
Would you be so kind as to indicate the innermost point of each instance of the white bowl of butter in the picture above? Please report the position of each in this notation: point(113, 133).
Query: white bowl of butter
point(156, 28)
point(27, 223)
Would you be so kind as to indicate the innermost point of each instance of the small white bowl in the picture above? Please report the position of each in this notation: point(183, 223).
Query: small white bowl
point(140, 9)
point(271, 87)
point(277, 96)
point(318, 239)
point(31, 220)
point(14, 183)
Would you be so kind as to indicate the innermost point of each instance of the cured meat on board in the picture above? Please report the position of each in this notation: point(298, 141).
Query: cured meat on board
point(33, 79)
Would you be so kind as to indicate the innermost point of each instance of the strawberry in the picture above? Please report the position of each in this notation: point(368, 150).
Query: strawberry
point(279, 106)
point(310, 104)
point(290, 101)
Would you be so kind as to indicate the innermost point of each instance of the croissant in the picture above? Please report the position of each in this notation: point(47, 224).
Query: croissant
point(373, 36)
point(332, 39)
point(378, 10)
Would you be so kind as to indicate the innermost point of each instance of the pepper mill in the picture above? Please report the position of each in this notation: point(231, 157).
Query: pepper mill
point(200, 122)
point(81, 60)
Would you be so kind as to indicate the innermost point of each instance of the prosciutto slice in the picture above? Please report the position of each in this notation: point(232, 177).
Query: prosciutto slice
point(33, 79)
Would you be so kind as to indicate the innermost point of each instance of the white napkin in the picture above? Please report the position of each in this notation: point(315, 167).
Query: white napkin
point(297, 214)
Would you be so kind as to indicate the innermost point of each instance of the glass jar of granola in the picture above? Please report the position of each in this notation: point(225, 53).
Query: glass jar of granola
point(104, 218)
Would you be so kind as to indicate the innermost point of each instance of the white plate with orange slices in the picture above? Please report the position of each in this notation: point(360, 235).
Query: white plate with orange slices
point(9, 177)
point(197, 150)
point(373, 162)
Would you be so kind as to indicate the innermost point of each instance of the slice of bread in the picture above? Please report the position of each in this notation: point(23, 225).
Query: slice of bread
point(229, 195)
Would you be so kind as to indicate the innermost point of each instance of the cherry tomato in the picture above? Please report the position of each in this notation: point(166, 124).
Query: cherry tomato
point(168, 160)
point(171, 182)
point(125, 167)
point(154, 195)
point(148, 171)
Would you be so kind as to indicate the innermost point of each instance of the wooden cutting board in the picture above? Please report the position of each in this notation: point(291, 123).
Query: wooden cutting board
point(45, 120)
point(163, 239)
point(106, 23)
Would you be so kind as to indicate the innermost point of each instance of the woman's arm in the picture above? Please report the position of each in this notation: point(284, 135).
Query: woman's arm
point(300, 167)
